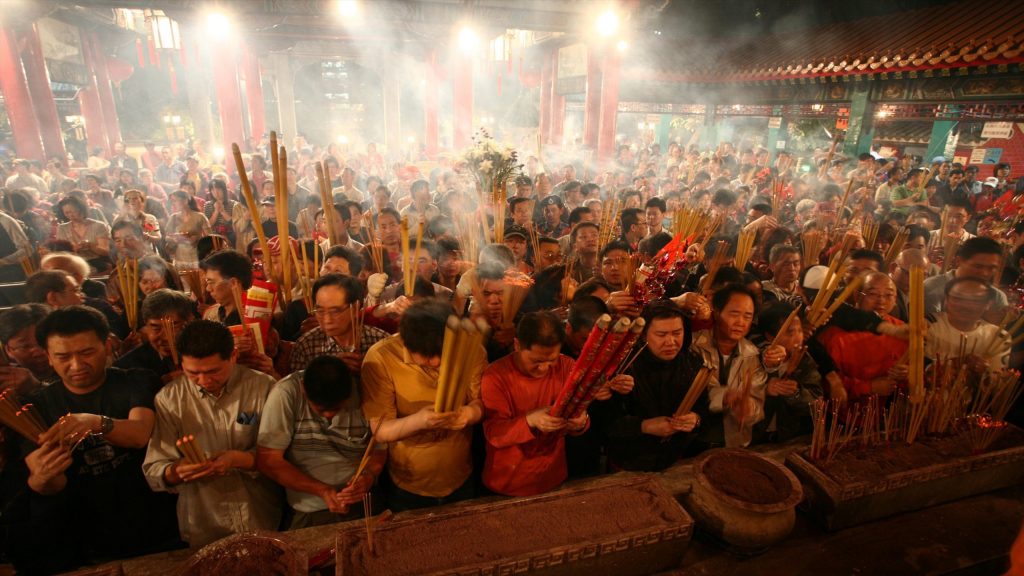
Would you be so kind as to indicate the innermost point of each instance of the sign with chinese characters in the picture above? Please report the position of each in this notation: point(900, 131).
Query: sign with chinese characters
point(1003, 130)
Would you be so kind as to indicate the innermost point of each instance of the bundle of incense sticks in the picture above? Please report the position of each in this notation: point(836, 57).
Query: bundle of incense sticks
point(828, 157)
point(629, 361)
point(327, 201)
point(190, 449)
point(852, 287)
point(813, 243)
point(794, 316)
point(236, 296)
point(408, 259)
point(689, 222)
point(499, 200)
point(167, 326)
point(366, 453)
point(896, 246)
point(830, 435)
point(23, 419)
point(376, 246)
point(254, 209)
point(302, 276)
point(356, 311)
point(949, 395)
point(128, 282)
point(193, 278)
point(28, 267)
point(915, 353)
point(604, 350)
point(816, 313)
point(531, 228)
point(279, 164)
point(514, 292)
point(718, 259)
point(606, 228)
point(368, 520)
point(996, 394)
point(842, 204)
point(744, 248)
point(461, 338)
point(869, 230)
point(697, 387)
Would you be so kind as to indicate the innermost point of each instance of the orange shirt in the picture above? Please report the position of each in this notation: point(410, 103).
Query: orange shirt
point(862, 356)
point(520, 461)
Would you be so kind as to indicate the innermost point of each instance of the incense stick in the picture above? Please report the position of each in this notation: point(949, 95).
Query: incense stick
point(250, 202)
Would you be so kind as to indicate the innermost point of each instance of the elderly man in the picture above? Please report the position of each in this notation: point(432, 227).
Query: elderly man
point(867, 363)
point(219, 402)
point(154, 353)
point(525, 443)
point(961, 329)
point(785, 263)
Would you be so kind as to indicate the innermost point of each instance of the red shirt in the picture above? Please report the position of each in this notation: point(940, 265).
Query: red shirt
point(519, 461)
point(861, 357)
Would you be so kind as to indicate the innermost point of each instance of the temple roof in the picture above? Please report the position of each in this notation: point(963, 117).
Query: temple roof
point(961, 34)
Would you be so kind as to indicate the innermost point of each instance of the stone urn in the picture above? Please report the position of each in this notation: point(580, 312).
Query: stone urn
point(742, 499)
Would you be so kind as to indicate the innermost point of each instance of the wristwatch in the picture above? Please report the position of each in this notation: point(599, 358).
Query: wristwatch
point(106, 425)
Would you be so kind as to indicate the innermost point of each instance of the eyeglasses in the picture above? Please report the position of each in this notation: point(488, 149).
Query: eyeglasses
point(333, 312)
point(879, 296)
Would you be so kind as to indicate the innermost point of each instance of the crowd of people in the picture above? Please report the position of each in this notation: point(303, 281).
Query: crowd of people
point(173, 427)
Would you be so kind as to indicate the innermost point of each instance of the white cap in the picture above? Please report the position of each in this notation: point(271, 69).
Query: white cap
point(991, 181)
point(815, 277)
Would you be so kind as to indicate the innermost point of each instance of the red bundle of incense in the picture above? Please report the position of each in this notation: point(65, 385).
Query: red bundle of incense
point(593, 386)
point(586, 358)
point(605, 351)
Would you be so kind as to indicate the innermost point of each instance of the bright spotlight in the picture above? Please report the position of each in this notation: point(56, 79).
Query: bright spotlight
point(468, 40)
point(218, 152)
point(608, 23)
point(342, 139)
point(411, 140)
point(217, 22)
point(348, 8)
point(622, 45)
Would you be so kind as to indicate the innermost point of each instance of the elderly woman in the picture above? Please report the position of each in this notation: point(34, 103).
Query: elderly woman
point(89, 238)
point(184, 228)
point(134, 211)
point(156, 273)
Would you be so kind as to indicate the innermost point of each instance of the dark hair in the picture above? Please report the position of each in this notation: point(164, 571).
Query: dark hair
point(615, 245)
point(327, 382)
point(542, 328)
point(630, 217)
point(342, 210)
point(71, 321)
point(726, 292)
point(576, 229)
point(914, 232)
point(78, 204)
point(865, 254)
point(422, 327)
point(162, 302)
point(588, 288)
point(723, 197)
point(961, 203)
point(40, 284)
point(190, 200)
point(418, 185)
point(353, 288)
point(780, 250)
point(230, 264)
point(16, 319)
point(205, 338)
point(577, 214)
point(517, 200)
point(659, 309)
point(584, 312)
point(426, 244)
point(771, 319)
point(727, 275)
point(990, 292)
point(218, 185)
point(355, 260)
point(490, 271)
point(978, 245)
point(653, 244)
point(656, 202)
point(389, 212)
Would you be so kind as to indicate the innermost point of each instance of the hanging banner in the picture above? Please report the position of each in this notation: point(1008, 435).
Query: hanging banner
point(1002, 130)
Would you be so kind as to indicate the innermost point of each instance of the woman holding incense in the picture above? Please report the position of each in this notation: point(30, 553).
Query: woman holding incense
point(222, 211)
point(429, 459)
point(184, 228)
point(525, 443)
point(134, 211)
point(89, 238)
point(794, 384)
point(646, 428)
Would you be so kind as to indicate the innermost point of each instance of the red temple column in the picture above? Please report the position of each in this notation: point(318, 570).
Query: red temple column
point(254, 96)
point(592, 101)
point(609, 106)
point(462, 100)
point(557, 112)
point(104, 91)
point(545, 100)
point(229, 99)
point(92, 115)
point(42, 95)
point(430, 106)
point(17, 99)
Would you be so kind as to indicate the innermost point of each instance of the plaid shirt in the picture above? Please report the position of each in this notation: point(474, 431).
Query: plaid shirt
point(315, 343)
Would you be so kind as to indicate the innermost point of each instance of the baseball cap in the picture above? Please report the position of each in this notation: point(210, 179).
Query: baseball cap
point(815, 277)
point(938, 160)
point(991, 181)
point(516, 231)
point(549, 200)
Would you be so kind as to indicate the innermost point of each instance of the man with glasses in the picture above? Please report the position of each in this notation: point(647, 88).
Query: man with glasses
point(868, 363)
point(55, 288)
point(979, 257)
point(960, 331)
point(154, 353)
point(225, 271)
point(337, 299)
point(899, 271)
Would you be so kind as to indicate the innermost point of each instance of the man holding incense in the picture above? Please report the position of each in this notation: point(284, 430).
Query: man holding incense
point(219, 402)
point(981, 257)
point(429, 461)
point(313, 441)
point(162, 312)
point(525, 443)
point(340, 333)
point(960, 332)
point(644, 429)
point(736, 388)
point(881, 370)
point(89, 498)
